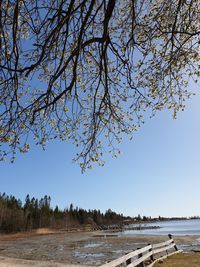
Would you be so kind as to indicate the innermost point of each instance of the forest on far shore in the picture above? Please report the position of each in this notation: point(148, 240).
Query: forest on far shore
point(38, 213)
point(34, 213)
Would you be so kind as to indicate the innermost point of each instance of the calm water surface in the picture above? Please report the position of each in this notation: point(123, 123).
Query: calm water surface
point(183, 227)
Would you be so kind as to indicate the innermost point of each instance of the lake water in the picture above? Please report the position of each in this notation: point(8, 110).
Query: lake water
point(176, 227)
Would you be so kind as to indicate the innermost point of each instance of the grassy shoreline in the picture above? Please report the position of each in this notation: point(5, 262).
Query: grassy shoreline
point(182, 259)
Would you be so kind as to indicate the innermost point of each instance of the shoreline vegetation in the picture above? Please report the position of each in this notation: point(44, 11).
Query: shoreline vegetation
point(181, 259)
point(37, 213)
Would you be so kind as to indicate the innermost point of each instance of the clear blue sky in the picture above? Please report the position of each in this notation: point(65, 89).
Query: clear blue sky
point(158, 172)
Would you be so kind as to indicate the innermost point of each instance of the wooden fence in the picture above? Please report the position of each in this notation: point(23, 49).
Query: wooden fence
point(146, 256)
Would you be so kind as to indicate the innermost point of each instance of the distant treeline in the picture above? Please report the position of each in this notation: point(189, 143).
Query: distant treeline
point(38, 213)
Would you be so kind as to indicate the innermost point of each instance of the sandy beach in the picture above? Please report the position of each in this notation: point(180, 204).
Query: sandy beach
point(13, 262)
point(80, 248)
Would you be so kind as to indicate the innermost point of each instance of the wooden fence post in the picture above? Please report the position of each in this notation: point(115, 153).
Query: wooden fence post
point(128, 261)
point(151, 257)
point(142, 263)
point(170, 237)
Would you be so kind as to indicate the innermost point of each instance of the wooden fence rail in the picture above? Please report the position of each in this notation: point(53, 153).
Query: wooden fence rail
point(140, 256)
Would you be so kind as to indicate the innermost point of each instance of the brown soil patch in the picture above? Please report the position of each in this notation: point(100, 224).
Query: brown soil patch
point(11, 262)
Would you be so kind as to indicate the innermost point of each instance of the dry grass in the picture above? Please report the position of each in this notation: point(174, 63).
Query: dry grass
point(181, 260)
point(19, 235)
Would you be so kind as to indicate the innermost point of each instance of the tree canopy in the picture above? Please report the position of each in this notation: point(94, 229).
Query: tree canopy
point(86, 70)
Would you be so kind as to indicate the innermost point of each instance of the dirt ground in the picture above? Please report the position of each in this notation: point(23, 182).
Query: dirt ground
point(12, 262)
point(81, 248)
